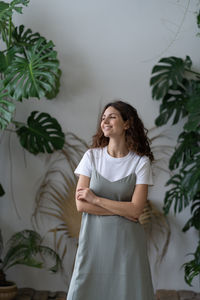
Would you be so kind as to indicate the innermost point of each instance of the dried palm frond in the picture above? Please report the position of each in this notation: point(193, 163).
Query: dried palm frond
point(156, 226)
point(56, 194)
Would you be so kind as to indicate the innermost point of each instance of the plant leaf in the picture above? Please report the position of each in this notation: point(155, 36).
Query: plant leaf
point(188, 145)
point(168, 73)
point(43, 134)
point(7, 109)
point(35, 74)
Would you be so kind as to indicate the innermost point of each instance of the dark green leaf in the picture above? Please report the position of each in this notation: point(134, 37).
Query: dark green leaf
point(188, 146)
point(192, 268)
point(24, 246)
point(173, 104)
point(177, 195)
point(43, 134)
point(24, 37)
point(169, 73)
point(193, 107)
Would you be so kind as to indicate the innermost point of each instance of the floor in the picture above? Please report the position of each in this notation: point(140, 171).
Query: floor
point(31, 294)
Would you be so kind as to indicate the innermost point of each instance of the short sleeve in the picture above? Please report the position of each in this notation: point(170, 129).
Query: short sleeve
point(84, 167)
point(144, 171)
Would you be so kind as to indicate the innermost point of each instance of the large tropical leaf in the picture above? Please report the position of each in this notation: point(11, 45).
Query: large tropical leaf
point(42, 134)
point(173, 104)
point(188, 145)
point(168, 74)
point(35, 74)
point(7, 109)
point(177, 195)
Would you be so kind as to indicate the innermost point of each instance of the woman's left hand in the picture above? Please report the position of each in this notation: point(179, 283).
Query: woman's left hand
point(86, 194)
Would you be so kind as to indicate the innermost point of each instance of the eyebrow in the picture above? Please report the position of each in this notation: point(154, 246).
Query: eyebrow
point(110, 114)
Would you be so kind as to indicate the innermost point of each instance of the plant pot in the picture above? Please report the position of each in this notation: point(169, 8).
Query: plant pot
point(8, 292)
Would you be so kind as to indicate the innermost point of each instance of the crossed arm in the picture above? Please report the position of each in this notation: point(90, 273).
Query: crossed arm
point(87, 201)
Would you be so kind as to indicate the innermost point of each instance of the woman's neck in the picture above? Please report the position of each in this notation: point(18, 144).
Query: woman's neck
point(117, 148)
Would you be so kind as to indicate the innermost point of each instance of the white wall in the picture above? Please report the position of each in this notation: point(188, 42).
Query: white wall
point(106, 49)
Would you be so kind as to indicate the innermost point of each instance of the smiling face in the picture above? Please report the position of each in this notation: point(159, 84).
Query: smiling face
point(112, 123)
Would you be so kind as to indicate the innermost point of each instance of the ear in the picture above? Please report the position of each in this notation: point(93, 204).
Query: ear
point(126, 125)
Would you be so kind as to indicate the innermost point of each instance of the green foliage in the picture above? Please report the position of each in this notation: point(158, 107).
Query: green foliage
point(42, 134)
point(24, 248)
point(192, 268)
point(177, 86)
point(29, 68)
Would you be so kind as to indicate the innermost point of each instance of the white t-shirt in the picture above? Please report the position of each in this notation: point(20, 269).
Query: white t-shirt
point(113, 168)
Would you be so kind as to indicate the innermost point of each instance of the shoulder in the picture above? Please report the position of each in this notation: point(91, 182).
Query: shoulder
point(140, 159)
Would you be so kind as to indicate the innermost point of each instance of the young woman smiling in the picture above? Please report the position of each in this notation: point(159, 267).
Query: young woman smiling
point(114, 174)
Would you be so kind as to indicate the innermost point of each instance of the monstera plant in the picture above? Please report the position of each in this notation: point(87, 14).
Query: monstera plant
point(29, 68)
point(177, 86)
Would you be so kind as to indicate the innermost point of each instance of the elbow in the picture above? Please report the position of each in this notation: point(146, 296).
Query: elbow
point(79, 206)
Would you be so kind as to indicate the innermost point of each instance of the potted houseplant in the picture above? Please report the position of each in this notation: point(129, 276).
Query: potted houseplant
point(23, 248)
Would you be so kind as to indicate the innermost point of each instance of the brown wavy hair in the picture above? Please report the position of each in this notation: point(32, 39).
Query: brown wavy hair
point(136, 134)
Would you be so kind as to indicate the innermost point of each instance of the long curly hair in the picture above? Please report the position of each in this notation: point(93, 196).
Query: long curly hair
point(135, 135)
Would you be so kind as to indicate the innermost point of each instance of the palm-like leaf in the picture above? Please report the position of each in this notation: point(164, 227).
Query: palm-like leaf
point(35, 74)
point(56, 194)
point(43, 134)
point(23, 248)
point(168, 73)
point(7, 109)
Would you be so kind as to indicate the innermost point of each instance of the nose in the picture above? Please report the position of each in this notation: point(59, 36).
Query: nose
point(106, 120)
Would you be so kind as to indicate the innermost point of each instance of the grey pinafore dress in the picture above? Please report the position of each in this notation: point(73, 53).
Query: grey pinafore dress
point(111, 261)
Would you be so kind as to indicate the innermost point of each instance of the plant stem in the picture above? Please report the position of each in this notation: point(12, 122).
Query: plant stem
point(9, 31)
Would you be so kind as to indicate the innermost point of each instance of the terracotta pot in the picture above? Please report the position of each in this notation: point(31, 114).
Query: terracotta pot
point(8, 292)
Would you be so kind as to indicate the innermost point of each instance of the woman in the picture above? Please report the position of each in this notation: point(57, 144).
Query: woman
point(114, 174)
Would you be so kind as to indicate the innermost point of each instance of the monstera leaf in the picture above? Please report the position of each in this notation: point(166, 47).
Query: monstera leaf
point(173, 103)
point(24, 37)
point(187, 147)
point(177, 194)
point(42, 134)
point(168, 73)
point(35, 74)
point(7, 109)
